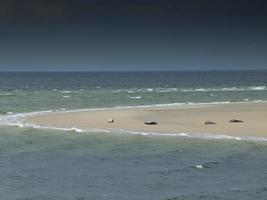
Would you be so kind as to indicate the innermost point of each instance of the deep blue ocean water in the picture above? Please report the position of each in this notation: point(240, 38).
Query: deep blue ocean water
point(55, 164)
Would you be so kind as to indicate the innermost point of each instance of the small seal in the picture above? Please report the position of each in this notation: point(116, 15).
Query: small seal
point(110, 120)
point(150, 123)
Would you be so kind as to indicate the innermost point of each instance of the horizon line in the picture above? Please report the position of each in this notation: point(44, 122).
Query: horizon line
point(155, 70)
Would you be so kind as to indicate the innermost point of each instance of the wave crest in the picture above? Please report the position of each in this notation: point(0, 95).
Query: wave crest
point(168, 90)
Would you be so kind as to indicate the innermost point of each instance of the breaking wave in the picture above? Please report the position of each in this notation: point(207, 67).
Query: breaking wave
point(163, 90)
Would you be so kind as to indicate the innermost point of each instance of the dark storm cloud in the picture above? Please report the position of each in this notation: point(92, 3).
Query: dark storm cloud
point(149, 34)
point(30, 10)
point(27, 11)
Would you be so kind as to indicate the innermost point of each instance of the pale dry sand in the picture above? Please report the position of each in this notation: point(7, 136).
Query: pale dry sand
point(175, 119)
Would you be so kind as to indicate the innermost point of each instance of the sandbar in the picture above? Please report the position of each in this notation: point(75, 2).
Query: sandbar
point(171, 119)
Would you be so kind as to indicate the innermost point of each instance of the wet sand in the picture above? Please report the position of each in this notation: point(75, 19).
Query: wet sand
point(171, 119)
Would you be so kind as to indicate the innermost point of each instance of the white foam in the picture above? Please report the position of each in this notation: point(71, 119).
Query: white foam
point(137, 97)
point(251, 138)
point(77, 130)
point(218, 136)
point(169, 89)
point(258, 88)
point(199, 166)
point(66, 96)
point(130, 91)
point(201, 90)
point(258, 101)
point(150, 89)
point(66, 91)
point(18, 119)
point(192, 135)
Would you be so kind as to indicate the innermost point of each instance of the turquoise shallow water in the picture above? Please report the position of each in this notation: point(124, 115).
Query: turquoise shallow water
point(48, 164)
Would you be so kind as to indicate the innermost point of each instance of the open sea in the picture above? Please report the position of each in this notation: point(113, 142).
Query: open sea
point(50, 164)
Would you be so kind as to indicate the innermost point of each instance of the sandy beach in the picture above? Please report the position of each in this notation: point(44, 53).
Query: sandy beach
point(178, 119)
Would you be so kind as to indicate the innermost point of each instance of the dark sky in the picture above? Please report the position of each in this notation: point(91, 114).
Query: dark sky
point(43, 35)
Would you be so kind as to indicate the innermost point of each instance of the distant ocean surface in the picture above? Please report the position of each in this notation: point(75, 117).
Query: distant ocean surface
point(48, 164)
point(31, 91)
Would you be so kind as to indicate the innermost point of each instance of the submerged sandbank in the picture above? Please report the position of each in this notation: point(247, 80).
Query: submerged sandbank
point(171, 119)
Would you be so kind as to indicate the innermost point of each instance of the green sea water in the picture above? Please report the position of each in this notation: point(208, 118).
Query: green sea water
point(49, 164)
point(46, 164)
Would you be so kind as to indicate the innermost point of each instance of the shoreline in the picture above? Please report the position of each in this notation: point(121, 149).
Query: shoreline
point(172, 120)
